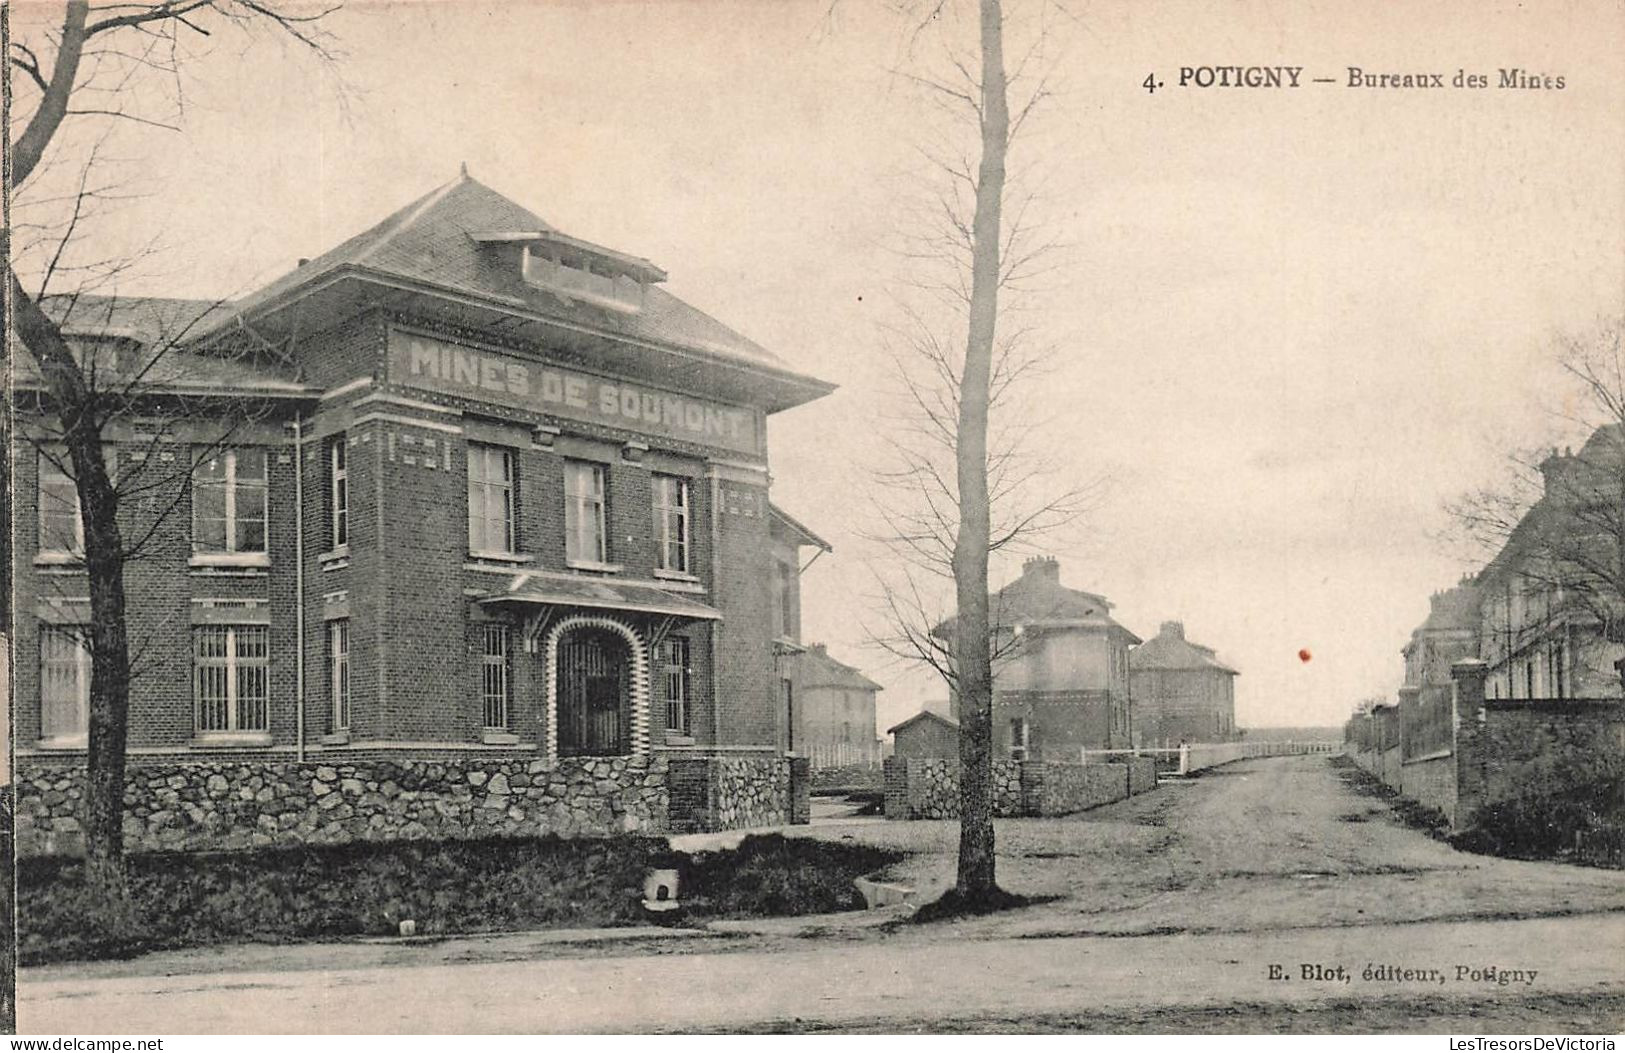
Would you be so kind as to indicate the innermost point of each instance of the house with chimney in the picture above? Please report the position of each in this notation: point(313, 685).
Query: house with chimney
point(1061, 678)
point(1551, 623)
point(832, 710)
point(1512, 682)
point(1182, 692)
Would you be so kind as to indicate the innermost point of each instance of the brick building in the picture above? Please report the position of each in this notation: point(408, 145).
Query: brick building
point(1181, 691)
point(1061, 683)
point(1448, 635)
point(833, 713)
point(1550, 624)
point(925, 735)
point(488, 490)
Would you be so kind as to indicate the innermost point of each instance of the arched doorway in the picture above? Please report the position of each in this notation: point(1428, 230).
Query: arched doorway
point(593, 678)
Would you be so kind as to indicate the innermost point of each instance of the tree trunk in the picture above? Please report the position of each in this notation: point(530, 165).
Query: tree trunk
point(76, 407)
point(972, 647)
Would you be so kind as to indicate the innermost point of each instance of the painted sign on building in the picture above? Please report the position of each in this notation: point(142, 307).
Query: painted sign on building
point(504, 379)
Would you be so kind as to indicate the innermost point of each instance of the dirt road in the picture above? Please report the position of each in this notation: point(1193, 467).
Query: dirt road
point(1267, 896)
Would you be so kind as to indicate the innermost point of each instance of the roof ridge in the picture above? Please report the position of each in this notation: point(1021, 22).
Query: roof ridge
point(426, 202)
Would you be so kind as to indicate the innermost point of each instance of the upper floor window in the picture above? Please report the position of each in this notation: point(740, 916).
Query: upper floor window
point(490, 499)
point(786, 601)
point(338, 492)
point(61, 528)
point(232, 677)
point(671, 507)
point(584, 534)
point(64, 662)
point(229, 501)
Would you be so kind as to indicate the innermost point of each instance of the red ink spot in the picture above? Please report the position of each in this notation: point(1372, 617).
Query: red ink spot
point(1304, 655)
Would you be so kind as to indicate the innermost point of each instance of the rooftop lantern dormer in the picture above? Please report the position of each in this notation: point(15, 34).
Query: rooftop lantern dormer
point(578, 271)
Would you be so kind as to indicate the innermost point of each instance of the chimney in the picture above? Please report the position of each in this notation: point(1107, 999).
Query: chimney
point(303, 260)
point(1556, 470)
point(1046, 568)
point(820, 649)
point(1174, 629)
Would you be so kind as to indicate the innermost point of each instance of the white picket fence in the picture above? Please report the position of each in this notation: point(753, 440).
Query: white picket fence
point(843, 755)
point(1184, 759)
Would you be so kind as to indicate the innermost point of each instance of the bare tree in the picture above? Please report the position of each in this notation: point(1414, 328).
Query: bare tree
point(1554, 528)
point(105, 64)
point(962, 483)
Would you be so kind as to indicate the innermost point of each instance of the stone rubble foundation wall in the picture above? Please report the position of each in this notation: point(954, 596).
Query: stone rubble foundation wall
point(210, 805)
point(737, 792)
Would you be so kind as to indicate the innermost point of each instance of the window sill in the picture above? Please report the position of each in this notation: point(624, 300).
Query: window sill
point(498, 737)
point(335, 558)
point(676, 575)
point(229, 561)
point(500, 557)
point(58, 559)
point(64, 742)
point(674, 739)
point(209, 740)
point(594, 566)
point(336, 738)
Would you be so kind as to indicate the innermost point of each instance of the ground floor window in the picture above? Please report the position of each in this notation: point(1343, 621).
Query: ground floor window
point(1020, 732)
point(494, 676)
point(232, 665)
point(64, 681)
point(338, 658)
point(678, 678)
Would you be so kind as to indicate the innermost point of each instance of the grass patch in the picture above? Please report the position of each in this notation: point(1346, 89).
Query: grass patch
point(1430, 821)
point(487, 885)
point(770, 875)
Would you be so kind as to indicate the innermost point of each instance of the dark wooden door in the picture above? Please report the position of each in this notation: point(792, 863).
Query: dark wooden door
point(592, 694)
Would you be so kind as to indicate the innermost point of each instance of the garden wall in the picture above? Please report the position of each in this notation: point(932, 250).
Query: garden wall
point(928, 788)
point(727, 792)
point(225, 804)
point(1061, 789)
point(1431, 781)
point(1515, 748)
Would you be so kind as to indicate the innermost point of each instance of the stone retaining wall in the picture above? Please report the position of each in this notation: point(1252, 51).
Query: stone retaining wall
point(710, 792)
point(226, 804)
point(1061, 789)
point(234, 804)
point(928, 788)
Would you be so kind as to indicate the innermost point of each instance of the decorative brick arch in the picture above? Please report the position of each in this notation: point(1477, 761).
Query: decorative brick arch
point(638, 691)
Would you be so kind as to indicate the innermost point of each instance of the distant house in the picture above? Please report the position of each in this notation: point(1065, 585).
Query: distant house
point(1449, 634)
point(1062, 683)
point(925, 735)
point(1181, 691)
point(832, 718)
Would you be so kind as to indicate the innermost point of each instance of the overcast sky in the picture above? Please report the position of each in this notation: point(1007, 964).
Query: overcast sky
point(1290, 324)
